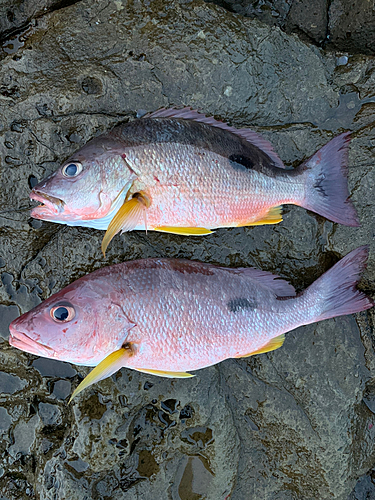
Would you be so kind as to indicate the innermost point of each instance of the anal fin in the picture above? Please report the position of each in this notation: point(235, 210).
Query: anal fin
point(273, 216)
point(272, 345)
point(184, 231)
point(163, 373)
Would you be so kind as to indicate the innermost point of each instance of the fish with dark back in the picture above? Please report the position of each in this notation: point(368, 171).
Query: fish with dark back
point(181, 172)
point(167, 317)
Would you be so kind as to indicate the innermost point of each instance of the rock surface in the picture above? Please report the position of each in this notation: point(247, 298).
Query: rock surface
point(297, 423)
point(345, 25)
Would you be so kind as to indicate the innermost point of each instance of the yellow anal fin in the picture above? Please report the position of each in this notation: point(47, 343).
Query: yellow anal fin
point(104, 369)
point(273, 216)
point(272, 345)
point(162, 373)
point(127, 218)
point(184, 231)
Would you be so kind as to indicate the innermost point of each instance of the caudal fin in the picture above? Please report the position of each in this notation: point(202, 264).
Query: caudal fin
point(326, 176)
point(336, 290)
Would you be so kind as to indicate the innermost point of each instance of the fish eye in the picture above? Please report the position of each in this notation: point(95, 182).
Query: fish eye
point(62, 314)
point(72, 169)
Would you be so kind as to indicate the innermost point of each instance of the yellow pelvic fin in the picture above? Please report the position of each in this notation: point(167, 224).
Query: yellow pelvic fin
point(184, 231)
point(104, 369)
point(272, 345)
point(273, 216)
point(161, 373)
point(127, 218)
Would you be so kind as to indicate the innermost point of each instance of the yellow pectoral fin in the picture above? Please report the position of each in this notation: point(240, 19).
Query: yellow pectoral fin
point(273, 216)
point(272, 345)
point(127, 218)
point(104, 369)
point(161, 373)
point(184, 231)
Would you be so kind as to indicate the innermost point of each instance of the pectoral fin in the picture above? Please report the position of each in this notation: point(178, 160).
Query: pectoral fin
point(184, 231)
point(272, 345)
point(127, 218)
point(104, 369)
point(273, 216)
point(162, 373)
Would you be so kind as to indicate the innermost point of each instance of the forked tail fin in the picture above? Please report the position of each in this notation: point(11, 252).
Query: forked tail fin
point(336, 290)
point(326, 176)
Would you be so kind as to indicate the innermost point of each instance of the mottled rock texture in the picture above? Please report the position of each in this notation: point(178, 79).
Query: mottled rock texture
point(346, 25)
point(294, 424)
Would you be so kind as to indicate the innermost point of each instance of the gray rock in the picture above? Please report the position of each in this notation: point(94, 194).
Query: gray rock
point(5, 420)
point(49, 414)
point(352, 26)
point(292, 424)
point(9, 384)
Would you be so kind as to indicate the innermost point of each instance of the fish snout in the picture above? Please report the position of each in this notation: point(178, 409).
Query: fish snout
point(50, 205)
point(26, 342)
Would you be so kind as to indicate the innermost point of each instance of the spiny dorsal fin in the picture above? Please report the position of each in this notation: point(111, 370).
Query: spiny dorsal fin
point(247, 134)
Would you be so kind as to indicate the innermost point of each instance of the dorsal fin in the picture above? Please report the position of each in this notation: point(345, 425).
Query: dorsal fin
point(247, 134)
point(272, 281)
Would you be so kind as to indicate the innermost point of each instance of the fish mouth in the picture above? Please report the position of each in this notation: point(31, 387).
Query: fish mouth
point(49, 204)
point(23, 342)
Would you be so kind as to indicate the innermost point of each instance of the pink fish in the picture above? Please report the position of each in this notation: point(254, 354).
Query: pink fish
point(180, 172)
point(166, 317)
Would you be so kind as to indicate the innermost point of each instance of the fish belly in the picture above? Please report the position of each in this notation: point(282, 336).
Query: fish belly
point(194, 187)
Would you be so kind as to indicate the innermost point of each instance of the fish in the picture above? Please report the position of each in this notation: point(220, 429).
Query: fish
point(168, 317)
point(181, 172)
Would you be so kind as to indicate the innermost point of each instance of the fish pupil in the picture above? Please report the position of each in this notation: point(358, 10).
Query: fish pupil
point(71, 169)
point(61, 313)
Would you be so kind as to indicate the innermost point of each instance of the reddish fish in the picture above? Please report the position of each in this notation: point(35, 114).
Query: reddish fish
point(178, 171)
point(165, 317)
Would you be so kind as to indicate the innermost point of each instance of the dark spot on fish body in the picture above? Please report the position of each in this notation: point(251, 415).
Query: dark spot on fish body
point(239, 304)
point(240, 162)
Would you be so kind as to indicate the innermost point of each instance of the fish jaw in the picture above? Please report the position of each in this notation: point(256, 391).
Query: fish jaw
point(26, 343)
point(50, 208)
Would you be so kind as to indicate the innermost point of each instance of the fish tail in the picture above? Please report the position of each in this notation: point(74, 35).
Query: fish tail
point(326, 188)
point(336, 290)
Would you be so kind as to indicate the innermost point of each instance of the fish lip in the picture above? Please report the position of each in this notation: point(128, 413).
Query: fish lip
point(22, 341)
point(51, 203)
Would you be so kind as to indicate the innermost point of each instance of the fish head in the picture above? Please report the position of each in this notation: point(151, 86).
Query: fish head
point(86, 186)
point(81, 324)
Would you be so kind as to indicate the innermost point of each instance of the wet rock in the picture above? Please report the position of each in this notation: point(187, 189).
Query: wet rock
point(295, 423)
point(9, 384)
point(24, 437)
point(52, 368)
point(49, 414)
point(5, 420)
point(309, 18)
point(352, 26)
